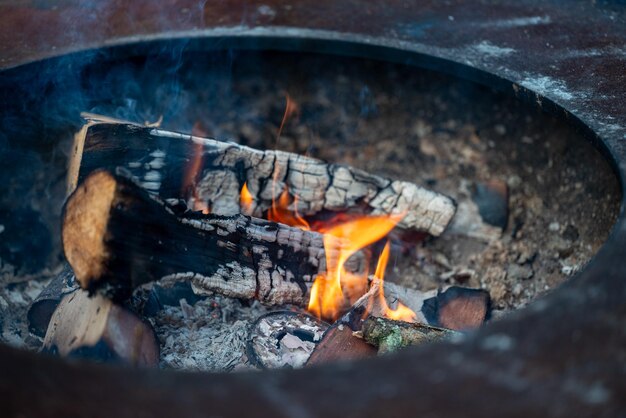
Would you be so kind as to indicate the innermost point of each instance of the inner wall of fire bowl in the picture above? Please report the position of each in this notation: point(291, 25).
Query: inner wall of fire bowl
point(536, 200)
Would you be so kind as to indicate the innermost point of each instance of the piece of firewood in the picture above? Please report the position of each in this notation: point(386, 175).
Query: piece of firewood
point(454, 308)
point(458, 308)
point(98, 329)
point(339, 341)
point(340, 344)
point(42, 308)
point(159, 160)
point(116, 237)
point(390, 336)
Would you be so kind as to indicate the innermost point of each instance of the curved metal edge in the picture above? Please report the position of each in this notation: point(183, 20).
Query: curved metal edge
point(288, 39)
point(291, 39)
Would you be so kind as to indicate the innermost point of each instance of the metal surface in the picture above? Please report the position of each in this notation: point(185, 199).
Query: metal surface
point(565, 355)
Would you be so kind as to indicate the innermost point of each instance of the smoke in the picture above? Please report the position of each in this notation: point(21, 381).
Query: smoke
point(40, 107)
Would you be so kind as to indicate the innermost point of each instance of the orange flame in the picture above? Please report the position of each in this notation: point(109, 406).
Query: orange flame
point(327, 294)
point(245, 200)
point(280, 212)
point(190, 179)
point(291, 107)
point(402, 312)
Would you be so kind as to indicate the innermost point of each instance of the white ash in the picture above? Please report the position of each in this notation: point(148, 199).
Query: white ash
point(296, 352)
point(17, 292)
point(275, 341)
point(209, 336)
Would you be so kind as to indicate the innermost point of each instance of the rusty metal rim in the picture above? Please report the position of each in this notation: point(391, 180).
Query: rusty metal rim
point(317, 41)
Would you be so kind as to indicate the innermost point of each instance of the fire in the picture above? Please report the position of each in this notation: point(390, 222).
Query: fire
point(402, 312)
point(192, 171)
point(291, 108)
point(280, 212)
point(381, 266)
point(344, 235)
point(327, 294)
point(245, 200)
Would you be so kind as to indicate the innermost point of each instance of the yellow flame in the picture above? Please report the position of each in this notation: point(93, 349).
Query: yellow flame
point(402, 312)
point(280, 212)
point(381, 266)
point(190, 180)
point(291, 107)
point(245, 200)
point(327, 297)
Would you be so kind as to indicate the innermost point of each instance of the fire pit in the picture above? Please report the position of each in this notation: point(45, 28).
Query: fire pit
point(518, 225)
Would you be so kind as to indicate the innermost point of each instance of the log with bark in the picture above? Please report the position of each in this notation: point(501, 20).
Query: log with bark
point(438, 315)
point(390, 336)
point(160, 161)
point(98, 329)
point(116, 236)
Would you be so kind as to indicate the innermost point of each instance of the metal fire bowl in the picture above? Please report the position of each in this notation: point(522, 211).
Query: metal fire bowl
point(564, 355)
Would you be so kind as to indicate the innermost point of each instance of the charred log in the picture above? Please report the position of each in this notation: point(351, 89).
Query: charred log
point(157, 159)
point(116, 237)
point(96, 328)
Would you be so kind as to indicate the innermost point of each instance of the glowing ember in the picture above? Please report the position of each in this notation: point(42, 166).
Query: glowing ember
point(327, 294)
point(245, 200)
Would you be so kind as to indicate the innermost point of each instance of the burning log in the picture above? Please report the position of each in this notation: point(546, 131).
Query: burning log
point(96, 328)
point(390, 336)
point(454, 309)
point(116, 236)
point(156, 159)
point(42, 308)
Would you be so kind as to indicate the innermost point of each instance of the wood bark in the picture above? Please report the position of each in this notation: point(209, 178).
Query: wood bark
point(159, 160)
point(116, 237)
point(42, 308)
point(438, 314)
point(390, 336)
point(96, 328)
